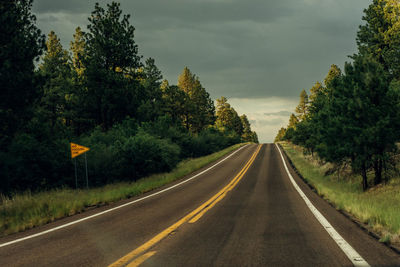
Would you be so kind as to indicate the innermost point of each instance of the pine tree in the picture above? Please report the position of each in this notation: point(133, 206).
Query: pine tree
point(280, 135)
point(200, 111)
point(227, 117)
point(111, 61)
point(333, 73)
point(301, 109)
point(150, 108)
point(315, 90)
point(247, 135)
point(293, 121)
point(21, 45)
point(380, 35)
point(56, 70)
point(174, 102)
point(78, 51)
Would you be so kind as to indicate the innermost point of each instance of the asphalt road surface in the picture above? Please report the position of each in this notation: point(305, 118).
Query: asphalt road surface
point(244, 211)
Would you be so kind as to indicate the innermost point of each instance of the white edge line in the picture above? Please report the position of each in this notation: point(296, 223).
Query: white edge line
point(121, 206)
point(350, 252)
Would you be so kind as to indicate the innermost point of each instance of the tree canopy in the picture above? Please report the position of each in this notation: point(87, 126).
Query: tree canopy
point(354, 116)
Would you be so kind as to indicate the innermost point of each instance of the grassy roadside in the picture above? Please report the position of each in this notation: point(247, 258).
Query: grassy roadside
point(378, 207)
point(24, 211)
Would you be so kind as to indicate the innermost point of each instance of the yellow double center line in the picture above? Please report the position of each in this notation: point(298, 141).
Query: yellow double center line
point(191, 218)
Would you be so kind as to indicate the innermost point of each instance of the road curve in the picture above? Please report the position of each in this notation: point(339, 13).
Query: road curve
point(245, 212)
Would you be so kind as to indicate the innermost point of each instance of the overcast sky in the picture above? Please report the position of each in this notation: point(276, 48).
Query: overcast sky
point(258, 53)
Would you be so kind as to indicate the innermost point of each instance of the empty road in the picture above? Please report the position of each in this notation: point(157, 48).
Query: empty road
point(244, 211)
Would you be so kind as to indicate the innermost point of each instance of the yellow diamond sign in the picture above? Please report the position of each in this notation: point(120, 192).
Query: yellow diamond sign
point(77, 150)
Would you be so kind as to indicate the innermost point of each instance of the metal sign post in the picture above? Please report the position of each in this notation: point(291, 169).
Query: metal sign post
point(76, 176)
point(87, 179)
point(77, 150)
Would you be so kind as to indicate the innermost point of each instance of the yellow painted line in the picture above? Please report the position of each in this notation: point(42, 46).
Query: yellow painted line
point(141, 259)
point(235, 182)
point(143, 248)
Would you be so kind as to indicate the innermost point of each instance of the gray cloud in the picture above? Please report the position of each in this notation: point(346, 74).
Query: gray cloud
point(258, 48)
point(240, 49)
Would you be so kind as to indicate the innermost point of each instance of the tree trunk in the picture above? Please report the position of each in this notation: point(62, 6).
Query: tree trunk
point(378, 171)
point(364, 177)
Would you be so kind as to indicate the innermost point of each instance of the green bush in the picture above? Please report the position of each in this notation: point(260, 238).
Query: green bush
point(144, 154)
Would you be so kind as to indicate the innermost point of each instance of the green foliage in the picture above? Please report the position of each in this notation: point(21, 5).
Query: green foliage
point(199, 111)
point(143, 154)
point(293, 121)
point(355, 117)
point(280, 135)
point(379, 37)
point(150, 108)
point(27, 210)
point(377, 207)
point(56, 104)
point(100, 95)
point(227, 117)
point(110, 62)
point(301, 108)
point(21, 45)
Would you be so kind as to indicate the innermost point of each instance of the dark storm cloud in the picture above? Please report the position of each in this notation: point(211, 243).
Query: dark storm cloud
point(258, 53)
point(188, 12)
point(251, 49)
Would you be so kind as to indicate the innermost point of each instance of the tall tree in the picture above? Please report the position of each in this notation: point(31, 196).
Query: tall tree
point(174, 102)
point(56, 70)
point(333, 73)
point(201, 110)
point(21, 45)
point(365, 110)
point(227, 117)
point(315, 90)
point(150, 108)
point(280, 134)
point(293, 121)
point(301, 108)
point(77, 47)
point(380, 35)
point(111, 61)
point(247, 133)
point(81, 120)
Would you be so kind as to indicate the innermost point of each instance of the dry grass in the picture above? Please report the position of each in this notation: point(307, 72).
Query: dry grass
point(379, 207)
point(24, 211)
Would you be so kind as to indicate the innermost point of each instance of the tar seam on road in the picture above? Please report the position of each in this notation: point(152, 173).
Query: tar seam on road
point(350, 252)
point(139, 251)
point(118, 207)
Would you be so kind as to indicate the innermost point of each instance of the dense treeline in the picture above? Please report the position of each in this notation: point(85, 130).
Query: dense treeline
point(354, 116)
point(100, 94)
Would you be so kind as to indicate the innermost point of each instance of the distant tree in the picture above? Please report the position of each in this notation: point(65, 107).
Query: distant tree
point(333, 73)
point(200, 111)
point(315, 90)
point(247, 135)
point(280, 135)
point(293, 121)
point(21, 45)
point(227, 117)
point(237, 123)
point(301, 108)
point(254, 137)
